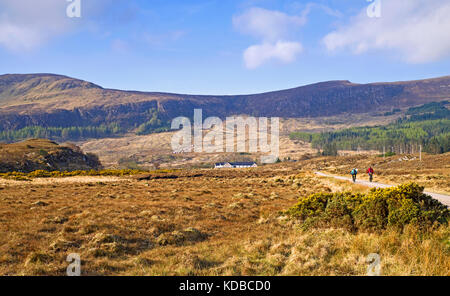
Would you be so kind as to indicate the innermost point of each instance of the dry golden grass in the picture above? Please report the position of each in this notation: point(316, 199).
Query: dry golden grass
point(62, 181)
point(204, 222)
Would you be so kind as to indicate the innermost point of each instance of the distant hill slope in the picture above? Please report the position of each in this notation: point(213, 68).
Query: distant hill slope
point(50, 100)
point(427, 125)
point(38, 154)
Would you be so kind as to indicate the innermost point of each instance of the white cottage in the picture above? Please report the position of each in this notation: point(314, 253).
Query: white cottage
point(221, 165)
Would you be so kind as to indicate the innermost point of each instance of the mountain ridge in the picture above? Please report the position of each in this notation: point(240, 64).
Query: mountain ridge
point(51, 100)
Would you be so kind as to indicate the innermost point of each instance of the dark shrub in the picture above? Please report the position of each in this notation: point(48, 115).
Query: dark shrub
point(377, 210)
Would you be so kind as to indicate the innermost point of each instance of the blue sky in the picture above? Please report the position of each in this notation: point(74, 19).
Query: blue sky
point(226, 47)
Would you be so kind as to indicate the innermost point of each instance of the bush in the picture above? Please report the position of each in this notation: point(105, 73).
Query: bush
point(311, 206)
point(377, 210)
point(338, 212)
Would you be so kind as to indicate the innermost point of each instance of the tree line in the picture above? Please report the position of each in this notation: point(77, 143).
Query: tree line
point(427, 126)
point(154, 125)
point(61, 133)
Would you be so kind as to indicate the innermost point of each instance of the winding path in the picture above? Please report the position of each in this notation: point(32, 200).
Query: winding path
point(445, 199)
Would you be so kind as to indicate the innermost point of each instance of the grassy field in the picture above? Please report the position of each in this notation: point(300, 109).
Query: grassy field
point(209, 222)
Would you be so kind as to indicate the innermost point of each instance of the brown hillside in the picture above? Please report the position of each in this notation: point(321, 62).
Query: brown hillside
point(53, 100)
point(38, 154)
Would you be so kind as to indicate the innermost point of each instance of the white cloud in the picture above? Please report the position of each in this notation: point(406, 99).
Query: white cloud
point(285, 51)
point(267, 24)
point(15, 37)
point(27, 24)
point(274, 28)
point(418, 30)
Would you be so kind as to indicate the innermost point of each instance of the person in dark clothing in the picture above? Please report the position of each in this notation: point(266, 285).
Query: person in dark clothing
point(370, 173)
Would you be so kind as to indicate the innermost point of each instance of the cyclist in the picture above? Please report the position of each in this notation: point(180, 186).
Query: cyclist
point(370, 173)
point(354, 172)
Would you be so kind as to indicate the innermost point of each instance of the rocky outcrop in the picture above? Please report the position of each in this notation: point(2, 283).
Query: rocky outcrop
point(37, 154)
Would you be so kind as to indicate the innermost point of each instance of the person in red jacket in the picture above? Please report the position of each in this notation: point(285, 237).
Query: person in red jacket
point(370, 172)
